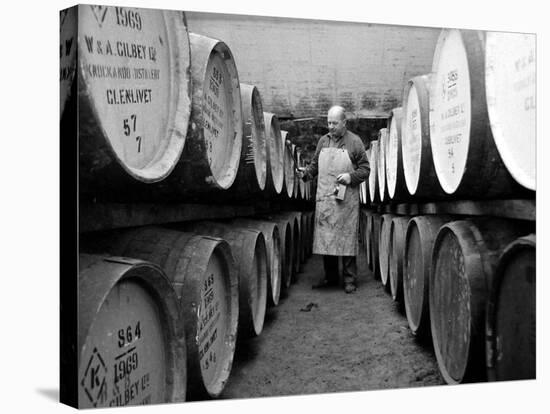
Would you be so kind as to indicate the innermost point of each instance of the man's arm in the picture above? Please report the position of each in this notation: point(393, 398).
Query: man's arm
point(313, 168)
point(361, 173)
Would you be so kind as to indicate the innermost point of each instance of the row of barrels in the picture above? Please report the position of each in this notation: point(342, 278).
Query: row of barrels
point(162, 115)
point(467, 129)
point(466, 284)
point(160, 309)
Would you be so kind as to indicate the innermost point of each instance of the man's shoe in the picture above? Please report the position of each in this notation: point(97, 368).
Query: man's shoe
point(350, 288)
point(323, 284)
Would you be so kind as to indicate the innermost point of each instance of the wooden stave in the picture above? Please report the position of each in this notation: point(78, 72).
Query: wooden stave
point(296, 178)
point(494, 343)
point(491, 236)
point(397, 191)
point(374, 196)
point(383, 249)
point(301, 183)
point(398, 228)
point(311, 225)
point(381, 166)
point(98, 275)
point(368, 249)
point(303, 239)
point(375, 243)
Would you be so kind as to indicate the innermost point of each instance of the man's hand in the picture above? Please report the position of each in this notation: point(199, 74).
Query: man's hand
point(300, 172)
point(344, 179)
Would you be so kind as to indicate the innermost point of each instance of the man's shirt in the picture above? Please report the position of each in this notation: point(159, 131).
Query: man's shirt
point(356, 150)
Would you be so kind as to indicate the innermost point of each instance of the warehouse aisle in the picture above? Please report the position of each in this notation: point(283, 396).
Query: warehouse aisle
point(320, 341)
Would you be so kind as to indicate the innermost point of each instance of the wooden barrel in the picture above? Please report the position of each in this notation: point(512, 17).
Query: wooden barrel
point(203, 273)
point(134, 95)
point(296, 178)
point(376, 224)
point(304, 223)
point(288, 165)
point(397, 189)
point(249, 249)
point(361, 229)
point(293, 217)
point(309, 244)
point(465, 157)
point(270, 230)
point(398, 230)
point(364, 190)
point(212, 152)
point(464, 258)
point(510, 81)
point(417, 269)
point(366, 237)
point(311, 218)
point(383, 253)
point(252, 172)
point(275, 155)
point(130, 334)
point(381, 164)
point(287, 250)
point(67, 54)
point(418, 168)
point(363, 193)
point(511, 314)
point(374, 196)
point(301, 183)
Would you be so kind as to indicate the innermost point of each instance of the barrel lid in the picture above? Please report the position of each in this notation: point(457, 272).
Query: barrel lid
point(381, 167)
point(134, 65)
point(128, 335)
point(411, 140)
point(450, 109)
point(510, 77)
point(393, 153)
point(373, 170)
point(275, 153)
point(221, 112)
point(253, 114)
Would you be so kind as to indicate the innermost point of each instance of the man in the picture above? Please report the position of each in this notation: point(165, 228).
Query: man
point(341, 165)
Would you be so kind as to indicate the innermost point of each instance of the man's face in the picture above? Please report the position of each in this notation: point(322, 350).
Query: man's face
point(336, 124)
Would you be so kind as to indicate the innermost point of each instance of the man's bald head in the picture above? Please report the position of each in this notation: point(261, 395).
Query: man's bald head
point(337, 111)
point(336, 121)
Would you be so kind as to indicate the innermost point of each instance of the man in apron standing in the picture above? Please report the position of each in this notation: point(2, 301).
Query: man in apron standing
point(341, 164)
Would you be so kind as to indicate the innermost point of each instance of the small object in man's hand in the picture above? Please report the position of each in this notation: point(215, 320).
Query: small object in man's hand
point(340, 191)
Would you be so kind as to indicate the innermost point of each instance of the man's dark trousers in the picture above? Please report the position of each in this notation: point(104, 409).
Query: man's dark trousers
point(349, 269)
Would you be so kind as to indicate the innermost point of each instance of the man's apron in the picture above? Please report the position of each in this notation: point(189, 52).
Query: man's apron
point(336, 221)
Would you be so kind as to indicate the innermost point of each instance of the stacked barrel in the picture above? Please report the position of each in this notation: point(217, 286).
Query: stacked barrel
point(161, 117)
point(464, 133)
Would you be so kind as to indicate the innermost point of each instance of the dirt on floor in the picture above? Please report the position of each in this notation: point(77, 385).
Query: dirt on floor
point(323, 340)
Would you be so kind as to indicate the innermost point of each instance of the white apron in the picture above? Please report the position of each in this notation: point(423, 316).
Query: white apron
point(336, 221)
